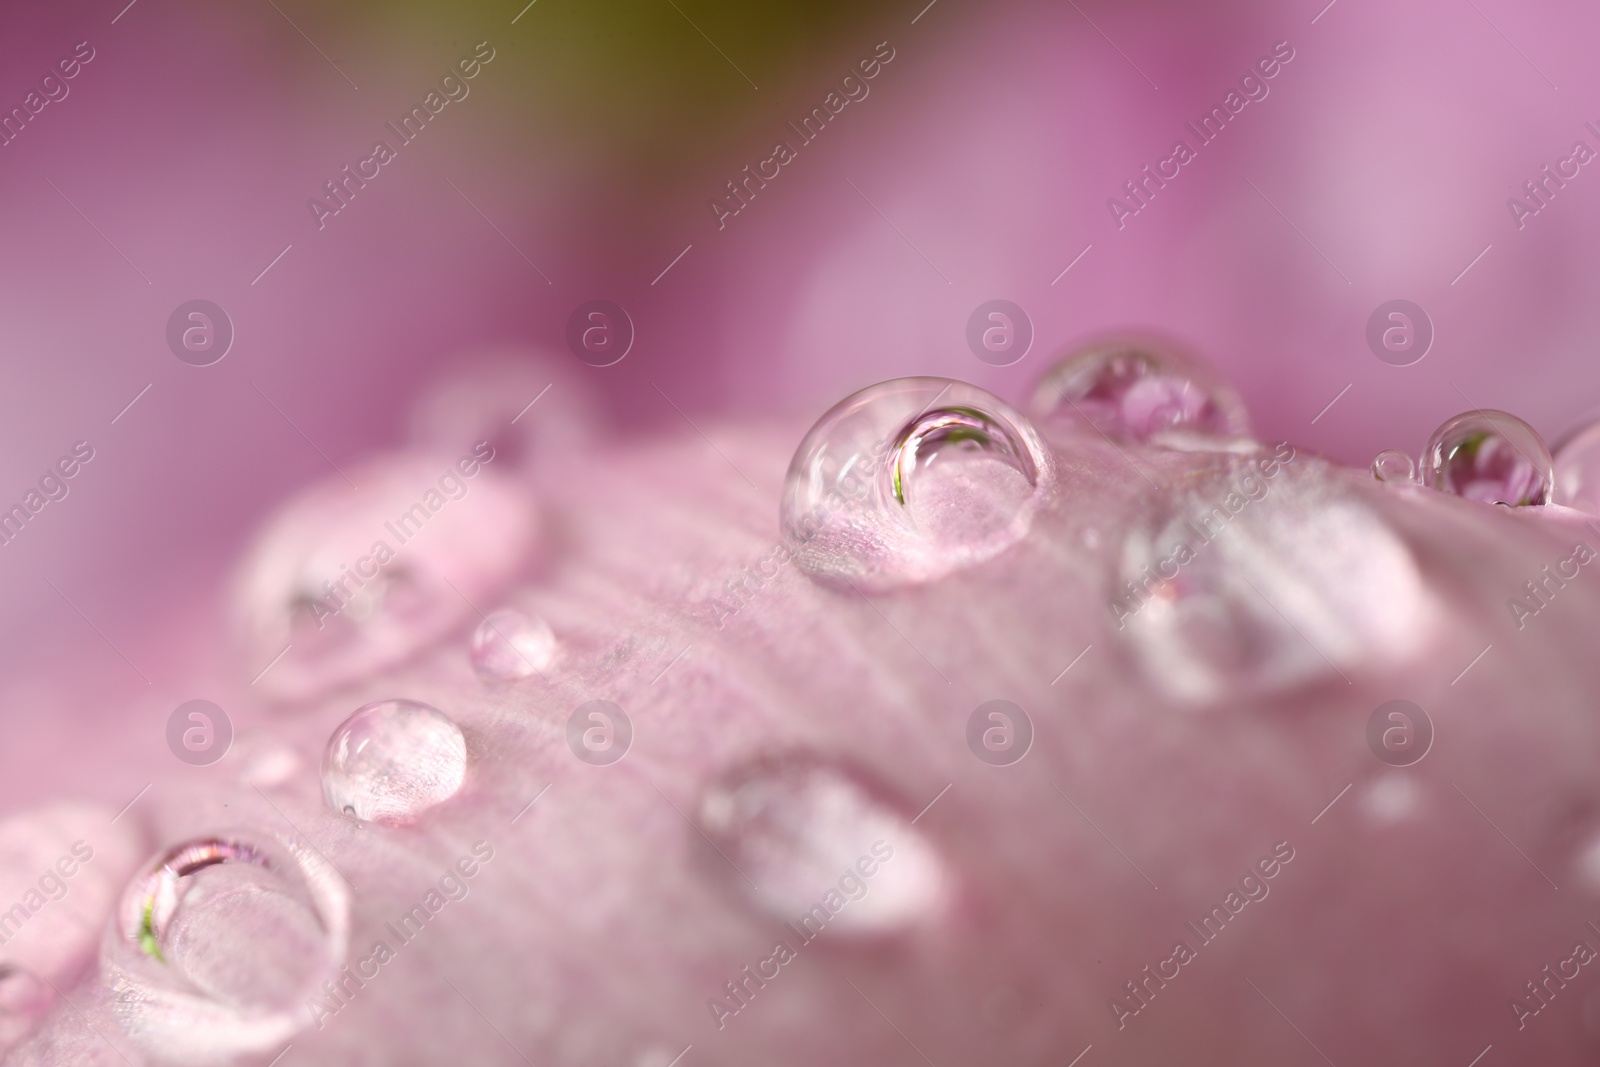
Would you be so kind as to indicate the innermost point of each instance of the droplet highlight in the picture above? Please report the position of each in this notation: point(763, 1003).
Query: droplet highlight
point(1491, 457)
point(1394, 467)
point(393, 760)
point(1144, 391)
point(219, 942)
point(509, 645)
point(910, 480)
point(815, 845)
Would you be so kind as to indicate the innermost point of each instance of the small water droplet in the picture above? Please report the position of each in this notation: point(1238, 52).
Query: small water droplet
point(218, 944)
point(346, 581)
point(391, 761)
point(1395, 467)
point(1577, 464)
point(509, 645)
point(1141, 391)
point(815, 845)
point(910, 480)
point(1242, 585)
point(1491, 457)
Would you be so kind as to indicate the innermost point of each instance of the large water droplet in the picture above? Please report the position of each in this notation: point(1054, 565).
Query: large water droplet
point(1246, 585)
point(509, 645)
point(393, 760)
point(220, 941)
point(815, 845)
point(1134, 390)
point(1577, 465)
point(345, 581)
point(1491, 457)
point(1394, 467)
point(911, 479)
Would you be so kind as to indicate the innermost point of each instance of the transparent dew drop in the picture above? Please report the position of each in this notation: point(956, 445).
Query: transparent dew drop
point(346, 581)
point(509, 645)
point(1577, 464)
point(911, 479)
point(1394, 467)
point(1491, 457)
point(1244, 586)
point(1138, 390)
point(220, 941)
point(391, 761)
point(815, 845)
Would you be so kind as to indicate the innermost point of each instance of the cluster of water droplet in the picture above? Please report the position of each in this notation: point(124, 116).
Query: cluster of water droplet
point(1491, 457)
point(914, 478)
point(218, 940)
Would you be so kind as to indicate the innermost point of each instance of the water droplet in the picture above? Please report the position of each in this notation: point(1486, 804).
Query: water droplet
point(1491, 457)
point(816, 846)
point(219, 943)
point(346, 581)
point(509, 644)
point(393, 760)
point(1577, 464)
point(1392, 466)
point(911, 479)
point(1244, 585)
point(1141, 391)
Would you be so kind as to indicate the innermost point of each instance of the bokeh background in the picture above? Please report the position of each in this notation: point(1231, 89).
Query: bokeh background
point(580, 167)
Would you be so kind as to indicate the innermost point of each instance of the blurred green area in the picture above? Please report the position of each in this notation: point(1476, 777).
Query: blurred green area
point(627, 90)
